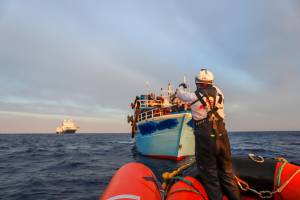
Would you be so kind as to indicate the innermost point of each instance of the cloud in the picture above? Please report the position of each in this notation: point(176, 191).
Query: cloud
point(90, 60)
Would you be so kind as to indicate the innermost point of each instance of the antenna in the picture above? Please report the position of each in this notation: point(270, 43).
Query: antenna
point(169, 88)
point(188, 83)
point(147, 87)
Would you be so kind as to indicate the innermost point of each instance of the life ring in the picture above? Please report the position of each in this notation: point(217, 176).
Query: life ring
point(256, 158)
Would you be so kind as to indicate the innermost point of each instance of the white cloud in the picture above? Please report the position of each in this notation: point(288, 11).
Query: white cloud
point(89, 60)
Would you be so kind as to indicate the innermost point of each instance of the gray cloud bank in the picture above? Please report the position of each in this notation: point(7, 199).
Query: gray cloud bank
point(88, 60)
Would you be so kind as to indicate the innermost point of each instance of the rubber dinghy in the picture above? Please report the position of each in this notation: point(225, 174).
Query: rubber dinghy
point(258, 178)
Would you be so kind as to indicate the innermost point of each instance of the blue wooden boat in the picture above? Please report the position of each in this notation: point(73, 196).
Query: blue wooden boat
point(162, 127)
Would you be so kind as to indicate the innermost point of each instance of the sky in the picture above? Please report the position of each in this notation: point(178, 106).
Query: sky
point(87, 60)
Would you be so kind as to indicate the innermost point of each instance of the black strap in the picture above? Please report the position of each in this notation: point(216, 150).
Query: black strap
point(216, 108)
point(194, 102)
point(213, 109)
point(200, 98)
point(220, 98)
point(207, 97)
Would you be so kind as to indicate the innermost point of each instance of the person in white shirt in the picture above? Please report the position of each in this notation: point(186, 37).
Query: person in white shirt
point(212, 147)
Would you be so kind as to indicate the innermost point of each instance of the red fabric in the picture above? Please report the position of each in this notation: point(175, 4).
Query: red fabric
point(202, 107)
point(291, 191)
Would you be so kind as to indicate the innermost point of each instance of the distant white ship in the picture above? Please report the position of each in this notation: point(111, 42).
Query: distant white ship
point(67, 127)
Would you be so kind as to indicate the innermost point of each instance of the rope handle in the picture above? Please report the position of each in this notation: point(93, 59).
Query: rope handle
point(183, 190)
point(167, 176)
point(283, 163)
point(265, 194)
point(281, 188)
point(195, 189)
point(245, 187)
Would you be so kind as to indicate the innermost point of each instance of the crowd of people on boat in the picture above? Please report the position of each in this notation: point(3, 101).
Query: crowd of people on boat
point(156, 106)
point(168, 104)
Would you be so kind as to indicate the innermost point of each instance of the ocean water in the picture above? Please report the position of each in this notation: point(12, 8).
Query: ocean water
point(79, 166)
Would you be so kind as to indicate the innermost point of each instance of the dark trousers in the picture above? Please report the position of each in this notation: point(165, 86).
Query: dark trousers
point(213, 158)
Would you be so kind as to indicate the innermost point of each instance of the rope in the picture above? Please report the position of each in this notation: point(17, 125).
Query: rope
point(242, 184)
point(281, 188)
point(183, 180)
point(264, 194)
point(172, 176)
point(195, 190)
point(283, 161)
point(186, 190)
point(167, 176)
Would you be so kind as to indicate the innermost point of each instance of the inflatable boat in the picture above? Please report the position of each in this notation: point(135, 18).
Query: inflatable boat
point(258, 178)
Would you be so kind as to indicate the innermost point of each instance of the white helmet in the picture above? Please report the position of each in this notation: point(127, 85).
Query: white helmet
point(204, 76)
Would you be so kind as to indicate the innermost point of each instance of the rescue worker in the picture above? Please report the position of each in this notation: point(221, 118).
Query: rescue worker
point(212, 148)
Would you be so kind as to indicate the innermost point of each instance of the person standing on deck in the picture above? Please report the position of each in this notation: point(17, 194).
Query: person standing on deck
point(212, 147)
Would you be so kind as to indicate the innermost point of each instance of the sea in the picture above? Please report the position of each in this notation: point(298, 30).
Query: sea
point(79, 166)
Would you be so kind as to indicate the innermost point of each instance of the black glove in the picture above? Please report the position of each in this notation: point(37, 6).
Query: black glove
point(183, 85)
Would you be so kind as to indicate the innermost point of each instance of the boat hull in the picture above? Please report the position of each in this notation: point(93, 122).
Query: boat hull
point(67, 132)
point(167, 137)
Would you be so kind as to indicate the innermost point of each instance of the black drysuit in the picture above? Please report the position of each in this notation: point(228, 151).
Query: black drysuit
point(213, 154)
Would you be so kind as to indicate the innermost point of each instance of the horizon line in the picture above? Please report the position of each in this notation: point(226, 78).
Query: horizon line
point(245, 131)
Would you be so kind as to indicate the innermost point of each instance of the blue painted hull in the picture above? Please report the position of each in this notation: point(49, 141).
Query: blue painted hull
point(169, 136)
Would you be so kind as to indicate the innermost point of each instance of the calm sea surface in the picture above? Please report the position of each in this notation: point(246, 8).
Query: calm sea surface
point(79, 166)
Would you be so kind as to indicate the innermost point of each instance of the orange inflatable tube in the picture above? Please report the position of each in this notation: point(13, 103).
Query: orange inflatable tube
point(287, 181)
point(133, 181)
point(190, 188)
point(187, 188)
